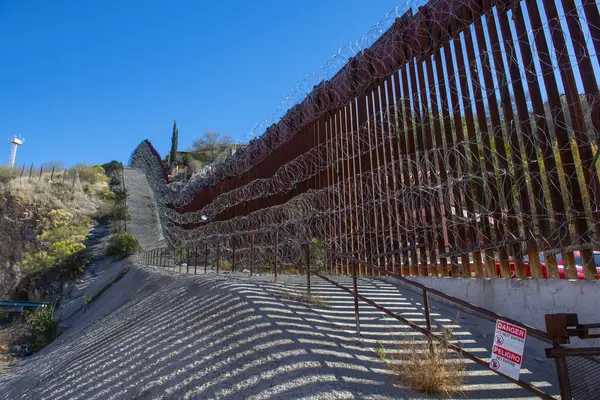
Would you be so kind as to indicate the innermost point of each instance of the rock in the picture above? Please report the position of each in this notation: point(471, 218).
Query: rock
point(246, 271)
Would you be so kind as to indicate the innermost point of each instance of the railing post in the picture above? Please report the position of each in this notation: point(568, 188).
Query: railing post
point(426, 307)
point(233, 254)
point(355, 285)
point(195, 260)
point(428, 318)
point(187, 261)
point(252, 257)
point(563, 378)
point(276, 270)
point(218, 254)
point(179, 261)
point(308, 268)
point(205, 258)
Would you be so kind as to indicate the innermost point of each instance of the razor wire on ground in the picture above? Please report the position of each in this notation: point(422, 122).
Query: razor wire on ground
point(460, 142)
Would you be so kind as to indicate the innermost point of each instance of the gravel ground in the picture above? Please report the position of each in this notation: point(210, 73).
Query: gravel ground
point(145, 225)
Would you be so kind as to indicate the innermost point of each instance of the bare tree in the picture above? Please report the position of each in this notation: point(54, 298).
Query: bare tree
point(210, 145)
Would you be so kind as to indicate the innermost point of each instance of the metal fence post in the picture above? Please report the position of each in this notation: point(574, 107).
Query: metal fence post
point(355, 285)
point(187, 261)
point(233, 254)
point(563, 378)
point(427, 318)
point(218, 255)
point(252, 256)
point(52, 173)
point(206, 258)
point(41, 171)
point(276, 270)
point(308, 268)
point(30, 171)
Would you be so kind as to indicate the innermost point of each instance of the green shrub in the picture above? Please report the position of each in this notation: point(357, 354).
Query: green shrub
point(91, 174)
point(70, 267)
point(58, 218)
point(122, 245)
point(66, 248)
point(76, 232)
point(112, 167)
point(34, 260)
point(106, 194)
point(42, 326)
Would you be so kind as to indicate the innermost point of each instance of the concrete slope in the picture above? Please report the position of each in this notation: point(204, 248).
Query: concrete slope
point(155, 334)
point(174, 337)
point(145, 225)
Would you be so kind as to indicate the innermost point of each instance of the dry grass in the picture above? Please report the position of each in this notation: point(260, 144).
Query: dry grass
point(432, 369)
point(55, 194)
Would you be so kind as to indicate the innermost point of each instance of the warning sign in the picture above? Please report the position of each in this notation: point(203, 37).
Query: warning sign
point(507, 350)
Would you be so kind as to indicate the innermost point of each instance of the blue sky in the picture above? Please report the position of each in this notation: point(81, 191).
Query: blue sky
point(87, 81)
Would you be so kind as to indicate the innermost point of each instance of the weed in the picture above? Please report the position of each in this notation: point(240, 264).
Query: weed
point(429, 367)
point(87, 300)
point(380, 351)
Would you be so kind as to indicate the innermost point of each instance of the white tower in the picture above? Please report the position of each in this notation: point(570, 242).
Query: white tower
point(16, 142)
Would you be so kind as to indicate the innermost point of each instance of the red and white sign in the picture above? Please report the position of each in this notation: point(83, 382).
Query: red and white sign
point(507, 351)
